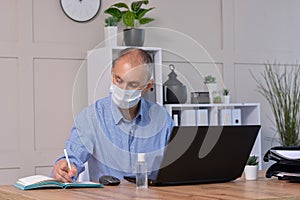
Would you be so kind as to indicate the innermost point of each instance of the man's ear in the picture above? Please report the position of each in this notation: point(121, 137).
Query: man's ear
point(148, 87)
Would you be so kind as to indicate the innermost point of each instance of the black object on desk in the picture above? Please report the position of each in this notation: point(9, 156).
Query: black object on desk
point(287, 166)
point(196, 154)
point(109, 180)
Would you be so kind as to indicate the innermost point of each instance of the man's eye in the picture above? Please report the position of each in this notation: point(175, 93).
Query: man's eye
point(134, 85)
point(118, 80)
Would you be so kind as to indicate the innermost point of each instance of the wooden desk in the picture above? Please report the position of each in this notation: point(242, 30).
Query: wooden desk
point(239, 189)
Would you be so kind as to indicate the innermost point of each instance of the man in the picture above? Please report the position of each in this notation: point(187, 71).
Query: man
point(110, 133)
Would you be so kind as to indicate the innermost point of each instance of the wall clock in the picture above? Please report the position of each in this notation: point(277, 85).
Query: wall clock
point(81, 10)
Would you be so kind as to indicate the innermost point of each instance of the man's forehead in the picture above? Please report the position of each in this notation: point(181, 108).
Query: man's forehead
point(128, 71)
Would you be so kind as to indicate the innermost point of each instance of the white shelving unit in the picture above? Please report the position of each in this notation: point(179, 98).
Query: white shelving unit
point(99, 63)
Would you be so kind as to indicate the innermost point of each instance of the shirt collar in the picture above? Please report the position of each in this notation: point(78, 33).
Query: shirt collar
point(117, 115)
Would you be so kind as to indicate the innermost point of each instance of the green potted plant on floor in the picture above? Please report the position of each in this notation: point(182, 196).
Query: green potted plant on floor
point(132, 16)
point(280, 87)
point(251, 168)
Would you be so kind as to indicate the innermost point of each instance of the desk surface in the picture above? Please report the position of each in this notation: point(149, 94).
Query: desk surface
point(239, 189)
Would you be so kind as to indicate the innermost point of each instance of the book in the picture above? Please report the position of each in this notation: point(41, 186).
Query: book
point(41, 181)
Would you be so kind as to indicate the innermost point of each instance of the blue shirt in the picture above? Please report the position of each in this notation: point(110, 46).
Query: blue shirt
point(110, 143)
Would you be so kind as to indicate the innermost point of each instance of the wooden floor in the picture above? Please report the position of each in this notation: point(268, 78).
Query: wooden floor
point(239, 189)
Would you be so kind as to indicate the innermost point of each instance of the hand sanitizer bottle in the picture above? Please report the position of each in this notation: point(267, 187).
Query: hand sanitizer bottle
point(141, 172)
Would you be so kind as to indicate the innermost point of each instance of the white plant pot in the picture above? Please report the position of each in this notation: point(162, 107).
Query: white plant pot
point(212, 87)
point(226, 99)
point(251, 172)
point(110, 36)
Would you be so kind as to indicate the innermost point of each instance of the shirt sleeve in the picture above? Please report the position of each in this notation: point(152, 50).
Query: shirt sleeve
point(77, 152)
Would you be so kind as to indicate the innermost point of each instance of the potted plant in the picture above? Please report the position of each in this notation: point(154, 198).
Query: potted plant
point(210, 82)
point(111, 31)
point(132, 16)
point(226, 97)
point(251, 168)
point(282, 91)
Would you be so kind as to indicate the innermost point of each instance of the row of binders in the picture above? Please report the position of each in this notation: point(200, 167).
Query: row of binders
point(205, 117)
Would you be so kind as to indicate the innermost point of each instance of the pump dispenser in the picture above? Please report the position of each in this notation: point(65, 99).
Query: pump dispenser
point(141, 172)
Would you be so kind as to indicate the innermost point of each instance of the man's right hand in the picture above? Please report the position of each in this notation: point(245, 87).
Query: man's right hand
point(62, 172)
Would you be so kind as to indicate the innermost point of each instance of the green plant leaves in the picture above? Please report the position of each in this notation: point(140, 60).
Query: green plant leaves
point(280, 87)
point(115, 12)
point(146, 20)
point(142, 12)
point(252, 160)
point(135, 6)
point(120, 5)
point(132, 16)
point(111, 21)
point(128, 19)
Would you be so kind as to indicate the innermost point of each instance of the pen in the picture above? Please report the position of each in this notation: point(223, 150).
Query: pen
point(68, 161)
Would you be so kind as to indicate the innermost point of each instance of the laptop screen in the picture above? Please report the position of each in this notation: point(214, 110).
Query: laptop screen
point(202, 154)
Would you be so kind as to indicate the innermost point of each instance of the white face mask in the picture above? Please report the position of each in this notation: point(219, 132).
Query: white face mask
point(125, 98)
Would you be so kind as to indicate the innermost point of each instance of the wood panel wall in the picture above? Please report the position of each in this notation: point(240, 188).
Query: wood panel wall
point(42, 64)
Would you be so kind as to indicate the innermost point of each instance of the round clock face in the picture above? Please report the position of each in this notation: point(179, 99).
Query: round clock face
point(81, 10)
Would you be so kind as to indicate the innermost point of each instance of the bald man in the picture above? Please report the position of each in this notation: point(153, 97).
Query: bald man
point(110, 133)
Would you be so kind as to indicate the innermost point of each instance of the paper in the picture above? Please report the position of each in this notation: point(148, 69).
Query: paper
point(34, 179)
point(291, 174)
point(287, 154)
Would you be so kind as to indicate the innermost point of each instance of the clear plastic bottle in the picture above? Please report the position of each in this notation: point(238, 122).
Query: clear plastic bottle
point(141, 172)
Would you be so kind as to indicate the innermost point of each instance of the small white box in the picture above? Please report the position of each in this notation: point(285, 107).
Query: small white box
point(236, 117)
point(202, 117)
point(225, 117)
point(188, 118)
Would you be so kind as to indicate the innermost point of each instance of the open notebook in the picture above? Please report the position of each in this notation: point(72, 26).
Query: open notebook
point(41, 181)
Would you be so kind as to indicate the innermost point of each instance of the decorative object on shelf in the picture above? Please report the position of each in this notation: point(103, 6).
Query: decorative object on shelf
point(226, 96)
point(280, 87)
point(199, 97)
point(111, 31)
point(133, 16)
point(81, 10)
point(174, 91)
point(251, 168)
point(210, 82)
point(217, 97)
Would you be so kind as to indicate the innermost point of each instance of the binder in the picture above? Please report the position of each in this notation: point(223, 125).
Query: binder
point(236, 117)
point(188, 118)
point(213, 116)
point(202, 117)
point(225, 117)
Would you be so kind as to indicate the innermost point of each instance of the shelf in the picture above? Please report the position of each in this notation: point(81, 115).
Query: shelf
point(212, 105)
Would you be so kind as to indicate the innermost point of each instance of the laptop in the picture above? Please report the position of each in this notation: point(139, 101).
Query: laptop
point(204, 154)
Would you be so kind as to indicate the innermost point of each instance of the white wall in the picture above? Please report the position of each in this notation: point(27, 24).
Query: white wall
point(42, 54)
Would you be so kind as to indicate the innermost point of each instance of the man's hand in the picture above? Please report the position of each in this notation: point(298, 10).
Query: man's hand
point(62, 172)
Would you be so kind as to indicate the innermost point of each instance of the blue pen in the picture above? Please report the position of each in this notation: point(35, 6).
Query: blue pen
point(69, 164)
